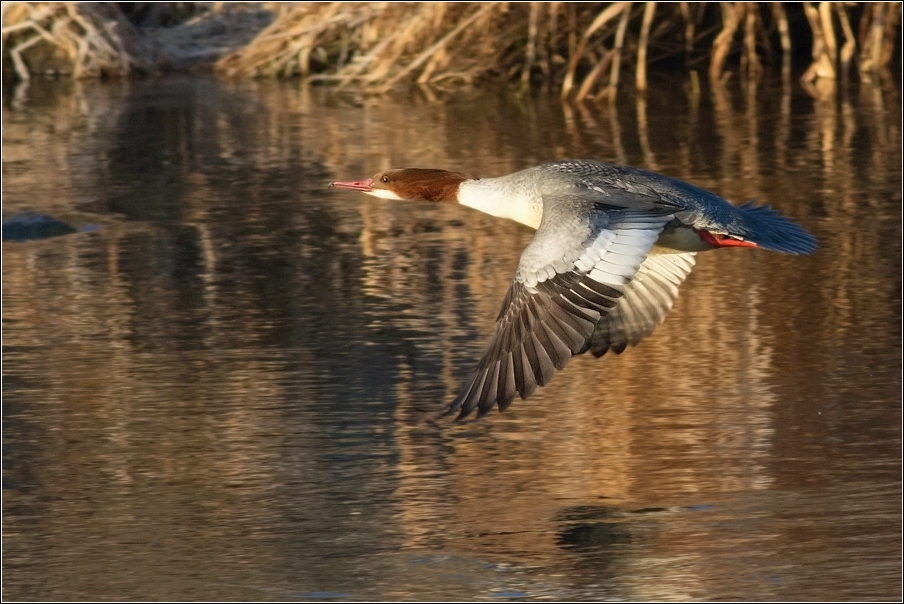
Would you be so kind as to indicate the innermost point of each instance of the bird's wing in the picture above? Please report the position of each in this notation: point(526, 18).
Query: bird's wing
point(572, 273)
point(643, 307)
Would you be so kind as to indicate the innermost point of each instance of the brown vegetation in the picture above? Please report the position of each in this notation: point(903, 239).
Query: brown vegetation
point(562, 45)
point(379, 45)
point(69, 38)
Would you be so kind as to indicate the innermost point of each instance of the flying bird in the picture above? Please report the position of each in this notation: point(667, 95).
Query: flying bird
point(613, 243)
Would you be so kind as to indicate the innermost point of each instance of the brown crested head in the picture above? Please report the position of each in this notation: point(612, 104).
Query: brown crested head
point(412, 184)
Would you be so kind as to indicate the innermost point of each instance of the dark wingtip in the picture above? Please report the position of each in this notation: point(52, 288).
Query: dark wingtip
point(452, 408)
point(458, 405)
point(463, 414)
point(465, 405)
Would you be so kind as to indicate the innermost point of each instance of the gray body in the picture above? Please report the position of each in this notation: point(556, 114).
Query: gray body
point(612, 246)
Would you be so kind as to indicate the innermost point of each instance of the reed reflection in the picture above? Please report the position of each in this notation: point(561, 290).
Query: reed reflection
point(241, 362)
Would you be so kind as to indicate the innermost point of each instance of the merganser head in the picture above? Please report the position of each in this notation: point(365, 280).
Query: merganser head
point(410, 184)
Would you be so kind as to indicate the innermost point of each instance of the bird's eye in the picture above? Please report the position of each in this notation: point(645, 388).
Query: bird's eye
point(385, 179)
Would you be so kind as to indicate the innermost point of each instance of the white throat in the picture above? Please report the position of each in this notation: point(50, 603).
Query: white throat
point(497, 197)
point(384, 193)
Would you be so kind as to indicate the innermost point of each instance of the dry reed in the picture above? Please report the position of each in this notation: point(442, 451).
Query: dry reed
point(75, 38)
point(380, 45)
point(570, 46)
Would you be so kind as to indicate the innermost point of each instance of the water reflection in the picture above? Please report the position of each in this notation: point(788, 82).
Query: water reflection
point(234, 382)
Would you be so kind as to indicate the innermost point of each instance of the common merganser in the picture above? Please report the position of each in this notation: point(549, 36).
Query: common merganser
point(612, 246)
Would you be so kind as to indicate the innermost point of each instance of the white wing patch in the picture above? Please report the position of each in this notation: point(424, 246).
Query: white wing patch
point(612, 257)
point(622, 253)
point(567, 283)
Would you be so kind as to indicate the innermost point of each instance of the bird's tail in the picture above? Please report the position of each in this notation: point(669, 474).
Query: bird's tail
point(770, 230)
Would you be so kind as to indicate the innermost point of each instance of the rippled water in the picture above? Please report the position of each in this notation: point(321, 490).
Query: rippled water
point(228, 386)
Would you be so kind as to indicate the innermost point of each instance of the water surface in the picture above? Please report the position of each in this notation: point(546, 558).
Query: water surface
point(229, 387)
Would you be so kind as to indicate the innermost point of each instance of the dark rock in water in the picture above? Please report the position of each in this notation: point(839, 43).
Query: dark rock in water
point(30, 225)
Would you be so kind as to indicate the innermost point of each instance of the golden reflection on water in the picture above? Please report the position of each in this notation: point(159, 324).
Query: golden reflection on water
point(240, 361)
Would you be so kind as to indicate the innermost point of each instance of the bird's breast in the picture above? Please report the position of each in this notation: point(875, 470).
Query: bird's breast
point(494, 198)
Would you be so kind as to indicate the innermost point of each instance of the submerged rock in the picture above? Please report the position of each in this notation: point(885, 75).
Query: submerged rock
point(31, 225)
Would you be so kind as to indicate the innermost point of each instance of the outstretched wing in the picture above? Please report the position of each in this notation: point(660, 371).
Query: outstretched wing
point(643, 307)
point(573, 273)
